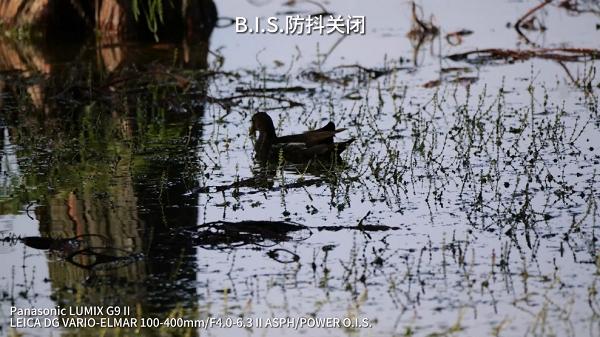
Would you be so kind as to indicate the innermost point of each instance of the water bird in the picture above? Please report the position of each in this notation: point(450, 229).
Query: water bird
point(296, 148)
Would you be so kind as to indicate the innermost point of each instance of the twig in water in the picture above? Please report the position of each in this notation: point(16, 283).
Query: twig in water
point(525, 16)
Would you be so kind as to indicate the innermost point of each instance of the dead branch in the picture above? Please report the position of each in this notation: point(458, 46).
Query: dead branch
point(420, 32)
point(510, 55)
point(420, 27)
point(230, 99)
point(572, 7)
point(526, 15)
point(455, 38)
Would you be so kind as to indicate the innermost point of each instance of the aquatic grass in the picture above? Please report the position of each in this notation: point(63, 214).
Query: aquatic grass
point(492, 193)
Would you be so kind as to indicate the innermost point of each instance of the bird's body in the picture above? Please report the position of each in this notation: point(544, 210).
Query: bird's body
point(297, 148)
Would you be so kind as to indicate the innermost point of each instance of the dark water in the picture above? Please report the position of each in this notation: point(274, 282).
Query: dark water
point(466, 206)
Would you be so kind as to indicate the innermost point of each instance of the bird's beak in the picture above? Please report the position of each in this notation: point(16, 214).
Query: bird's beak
point(252, 130)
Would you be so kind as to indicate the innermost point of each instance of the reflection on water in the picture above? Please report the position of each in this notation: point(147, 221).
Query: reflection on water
point(106, 154)
point(466, 204)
